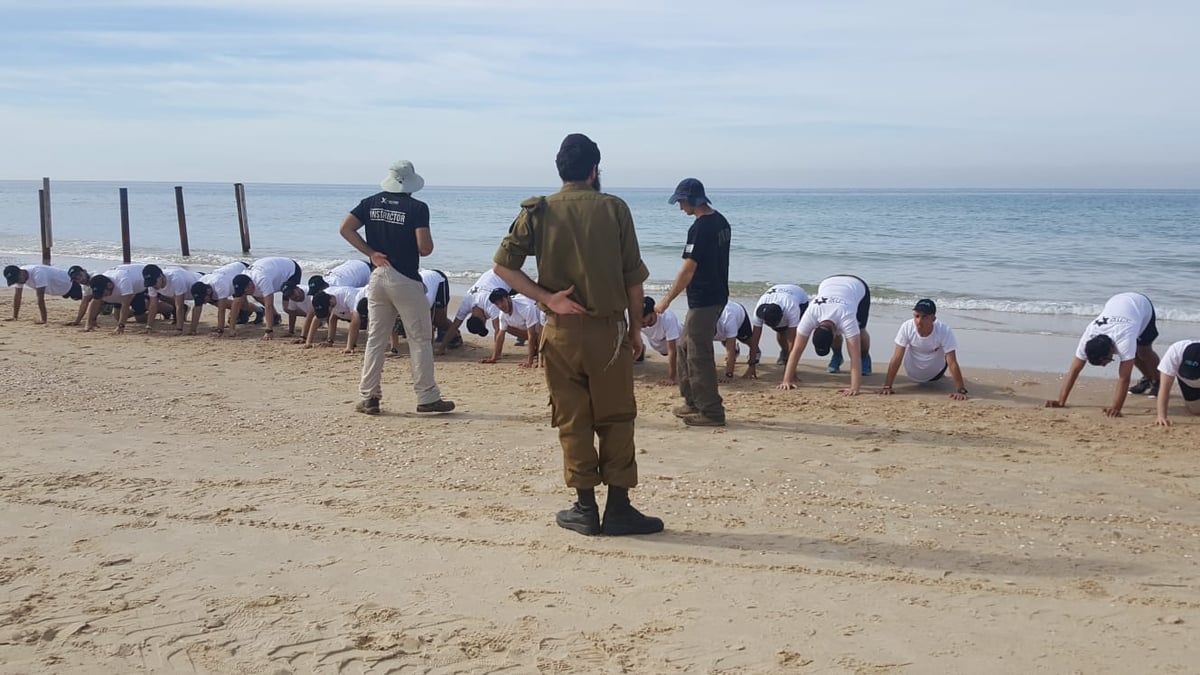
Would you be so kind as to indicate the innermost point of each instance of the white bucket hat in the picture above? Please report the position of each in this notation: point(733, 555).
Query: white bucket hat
point(402, 177)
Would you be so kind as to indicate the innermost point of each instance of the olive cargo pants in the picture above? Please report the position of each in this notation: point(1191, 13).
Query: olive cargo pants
point(589, 371)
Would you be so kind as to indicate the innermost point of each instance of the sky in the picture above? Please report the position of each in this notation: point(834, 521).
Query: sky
point(789, 94)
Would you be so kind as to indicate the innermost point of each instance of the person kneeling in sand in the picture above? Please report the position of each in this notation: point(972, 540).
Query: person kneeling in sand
point(173, 284)
point(475, 299)
point(519, 317)
point(122, 286)
point(780, 308)
point(839, 310)
point(927, 349)
point(262, 280)
point(215, 288)
point(41, 279)
point(661, 333)
point(1126, 330)
point(1182, 362)
point(332, 304)
point(733, 326)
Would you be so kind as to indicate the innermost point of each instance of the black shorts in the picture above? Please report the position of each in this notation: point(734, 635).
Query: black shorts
point(745, 330)
point(293, 280)
point(1149, 335)
point(864, 305)
point(441, 299)
point(940, 374)
point(138, 305)
point(1190, 393)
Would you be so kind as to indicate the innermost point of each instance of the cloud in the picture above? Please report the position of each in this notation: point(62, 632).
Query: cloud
point(863, 93)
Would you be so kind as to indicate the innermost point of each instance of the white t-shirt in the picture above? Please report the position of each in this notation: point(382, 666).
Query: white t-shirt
point(432, 279)
point(925, 357)
point(221, 279)
point(525, 314)
point(54, 280)
point(126, 280)
point(789, 297)
point(729, 324)
point(665, 330)
point(477, 296)
point(837, 301)
point(1123, 319)
point(1173, 359)
point(303, 307)
point(179, 282)
point(346, 300)
point(268, 274)
point(354, 273)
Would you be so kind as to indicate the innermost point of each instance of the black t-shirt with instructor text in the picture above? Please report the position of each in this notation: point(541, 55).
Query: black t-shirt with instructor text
point(708, 244)
point(392, 220)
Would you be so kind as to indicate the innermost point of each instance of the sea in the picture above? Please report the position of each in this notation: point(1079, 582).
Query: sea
point(1008, 262)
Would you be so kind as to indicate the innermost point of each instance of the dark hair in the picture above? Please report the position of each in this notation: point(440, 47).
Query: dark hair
point(477, 326)
point(361, 308)
point(822, 340)
point(770, 313)
point(200, 292)
point(286, 290)
point(316, 284)
point(497, 294)
point(576, 158)
point(74, 270)
point(320, 303)
point(1099, 349)
point(11, 274)
point(151, 274)
point(99, 284)
point(647, 306)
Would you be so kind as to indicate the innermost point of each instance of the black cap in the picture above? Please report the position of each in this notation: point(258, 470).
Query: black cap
point(647, 305)
point(822, 340)
point(75, 270)
point(925, 306)
point(361, 308)
point(770, 313)
point(150, 274)
point(316, 284)
point(321, 303)
point(477, 326)
point(200, 292)
point(690, 190)
point(497, 295)
point(1189, 367)
point(99, 284)
point(11, 274)
point(576, 157)
point(240, 282)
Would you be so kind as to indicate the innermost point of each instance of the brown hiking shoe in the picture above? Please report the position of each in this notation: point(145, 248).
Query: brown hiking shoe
point(438, 406)
point(368, 406)
point(684, 410)
point(702, 420)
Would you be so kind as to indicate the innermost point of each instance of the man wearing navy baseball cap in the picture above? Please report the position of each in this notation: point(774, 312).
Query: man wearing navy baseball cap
point(927, 349)
point(1181, 362)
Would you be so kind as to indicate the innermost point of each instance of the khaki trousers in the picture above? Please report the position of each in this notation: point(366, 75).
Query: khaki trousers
point(589, 371)
point(391, 294)
point(696, 368)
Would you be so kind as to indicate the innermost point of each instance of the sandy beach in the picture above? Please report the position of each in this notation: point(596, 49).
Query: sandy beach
point(186, 504)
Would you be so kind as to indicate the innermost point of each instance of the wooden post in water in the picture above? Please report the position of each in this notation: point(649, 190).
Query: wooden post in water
point(239, 194)
point(125, 253)
point(47, 232)
point(183, 240)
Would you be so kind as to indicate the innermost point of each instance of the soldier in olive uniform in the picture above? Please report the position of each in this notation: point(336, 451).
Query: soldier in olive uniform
point(593, 330)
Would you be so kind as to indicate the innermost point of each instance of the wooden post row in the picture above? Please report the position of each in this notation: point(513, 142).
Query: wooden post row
point(239, 194)
point(44, 208)
point(125, 253)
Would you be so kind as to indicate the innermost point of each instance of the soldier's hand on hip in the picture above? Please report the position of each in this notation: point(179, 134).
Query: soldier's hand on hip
point(561, 303)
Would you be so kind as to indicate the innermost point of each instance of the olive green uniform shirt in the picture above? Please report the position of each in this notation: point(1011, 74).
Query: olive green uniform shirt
point(581, 238)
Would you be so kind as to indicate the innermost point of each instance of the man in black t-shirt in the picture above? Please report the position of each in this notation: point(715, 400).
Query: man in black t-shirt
point(397, 228)
point(705, 275)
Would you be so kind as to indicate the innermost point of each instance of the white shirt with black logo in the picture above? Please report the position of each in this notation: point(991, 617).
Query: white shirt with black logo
point(836, 300)
point(221, 279)
point(355, 273)
point(126, 280)
point(1123, 319)
point(790, 299)
point(346, 300)
point(925, 357)
point(1173, 360)
point(269, 274)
